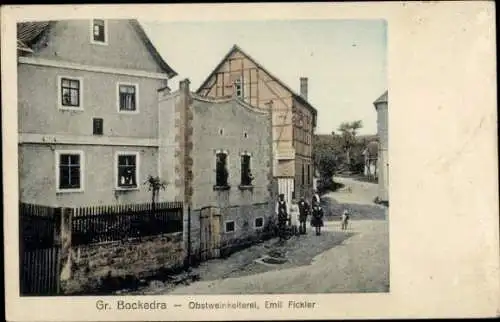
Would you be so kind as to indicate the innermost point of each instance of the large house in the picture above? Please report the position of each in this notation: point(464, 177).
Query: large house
point(223, 156)
point(293, 117)
point(381, 105)
point(88, 112)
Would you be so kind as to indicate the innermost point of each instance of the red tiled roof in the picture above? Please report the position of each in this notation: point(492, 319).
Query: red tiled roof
point(27, 32)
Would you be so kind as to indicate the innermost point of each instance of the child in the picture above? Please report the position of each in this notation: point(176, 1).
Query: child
point(345, 218)
point(303, 213)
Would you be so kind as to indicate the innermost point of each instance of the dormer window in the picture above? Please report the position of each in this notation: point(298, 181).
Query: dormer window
point(99, 31)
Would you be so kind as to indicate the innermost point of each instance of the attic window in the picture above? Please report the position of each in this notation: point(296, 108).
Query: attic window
point(99, 32)
point(238, 88)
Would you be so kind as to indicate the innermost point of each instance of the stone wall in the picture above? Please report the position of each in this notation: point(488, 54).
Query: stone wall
point(93, 265)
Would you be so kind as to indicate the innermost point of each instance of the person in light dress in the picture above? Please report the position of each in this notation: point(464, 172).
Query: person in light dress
point(294, 217)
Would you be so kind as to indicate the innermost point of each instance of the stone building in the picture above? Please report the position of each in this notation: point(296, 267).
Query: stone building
point(223, 157)
point(381, 105)
point(88, 112)
point(293, 117)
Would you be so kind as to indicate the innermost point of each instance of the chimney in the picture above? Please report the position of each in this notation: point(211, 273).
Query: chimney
point(184, 86)
point(303, 87)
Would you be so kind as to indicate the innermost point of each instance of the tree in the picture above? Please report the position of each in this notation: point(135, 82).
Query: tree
point(155, 184)
point(327, 155)
point(348, 132)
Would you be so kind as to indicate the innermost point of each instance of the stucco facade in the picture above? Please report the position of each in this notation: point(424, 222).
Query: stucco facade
point(381, 105)
point(235, 129)
point(293, 118)
point(64, 51)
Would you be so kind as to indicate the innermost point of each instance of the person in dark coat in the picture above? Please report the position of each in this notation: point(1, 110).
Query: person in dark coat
point(316, 201)
point(317, 219)
point(282, 213)
point(303, 213)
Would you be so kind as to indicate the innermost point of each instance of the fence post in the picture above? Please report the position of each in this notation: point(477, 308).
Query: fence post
point(189, 237)
point(65, 258)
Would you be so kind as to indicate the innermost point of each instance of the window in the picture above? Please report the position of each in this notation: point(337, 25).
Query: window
point(308, 174)
point(259, 222)
point(238, 87)
point(127, 98)
point(69, 167)
point(303, 174)
point(99, 31)
point(97, 126)
point(127, 170)
point(222, 173)
point(246, 172)
point(70, 93)
point(229, 226)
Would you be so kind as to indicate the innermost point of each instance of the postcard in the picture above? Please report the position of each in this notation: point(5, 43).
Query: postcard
point(250, 161)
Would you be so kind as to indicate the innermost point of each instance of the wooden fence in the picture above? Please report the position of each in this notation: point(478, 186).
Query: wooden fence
point(38, 250)
point(118, 222)
point(40, 235)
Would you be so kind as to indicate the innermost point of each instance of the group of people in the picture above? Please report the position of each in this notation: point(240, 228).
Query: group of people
point(293, 220)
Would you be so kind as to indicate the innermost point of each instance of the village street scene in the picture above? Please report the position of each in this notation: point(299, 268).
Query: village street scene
point(153, 162)
point(351, 261)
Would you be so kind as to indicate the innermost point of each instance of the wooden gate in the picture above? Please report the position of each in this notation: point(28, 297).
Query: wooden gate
point(210, 230)
point(38, 250)
point(40, 271)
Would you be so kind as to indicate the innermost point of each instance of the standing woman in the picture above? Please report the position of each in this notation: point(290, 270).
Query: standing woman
point(315, 200)
point(294, 217)
point(317, 219)
point(282, 213)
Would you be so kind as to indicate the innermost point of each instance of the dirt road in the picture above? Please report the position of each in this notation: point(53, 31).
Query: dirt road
point(360, 264)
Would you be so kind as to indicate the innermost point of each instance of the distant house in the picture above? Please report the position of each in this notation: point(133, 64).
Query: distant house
point(381, 105)
point(223, 148)
point(371, 159)
point(294, 118)
point(88, 112)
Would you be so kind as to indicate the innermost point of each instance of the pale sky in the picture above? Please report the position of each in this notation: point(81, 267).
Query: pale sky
point(345, 60)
